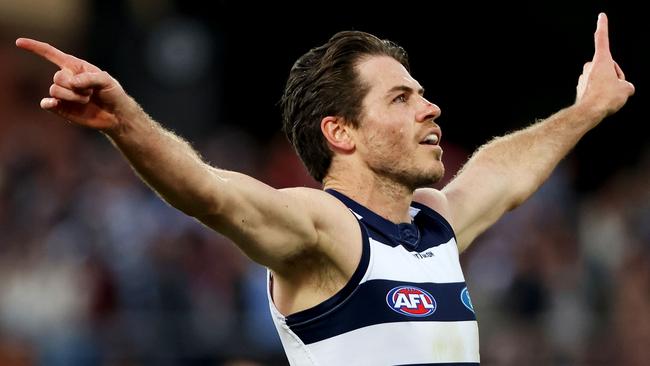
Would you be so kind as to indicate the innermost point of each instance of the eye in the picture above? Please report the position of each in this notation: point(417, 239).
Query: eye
point(402, 98)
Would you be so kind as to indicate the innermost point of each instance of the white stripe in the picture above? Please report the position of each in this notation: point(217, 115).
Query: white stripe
point(398, 264)
point(401, 343)
point(359, 217)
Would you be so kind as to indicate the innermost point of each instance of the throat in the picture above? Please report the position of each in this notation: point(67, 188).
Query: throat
point(391, 201)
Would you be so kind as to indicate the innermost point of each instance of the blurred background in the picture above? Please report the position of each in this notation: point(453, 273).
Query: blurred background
point(96, 270)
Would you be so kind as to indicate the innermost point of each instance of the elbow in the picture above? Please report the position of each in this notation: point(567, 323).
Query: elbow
point(188, 209)
point(515, 202)
point(521, 192)
point(205, 208)
point(198, 206)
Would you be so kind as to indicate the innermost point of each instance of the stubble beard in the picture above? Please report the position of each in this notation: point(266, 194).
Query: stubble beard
point(426, 178)
point(412, 178)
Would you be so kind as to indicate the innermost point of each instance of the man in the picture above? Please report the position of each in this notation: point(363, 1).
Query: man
point(365, 272)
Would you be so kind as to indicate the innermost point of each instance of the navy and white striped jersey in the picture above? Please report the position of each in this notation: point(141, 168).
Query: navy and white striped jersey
point(406, 303)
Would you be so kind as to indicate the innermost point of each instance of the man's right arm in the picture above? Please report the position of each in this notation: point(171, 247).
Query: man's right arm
point(271, 226)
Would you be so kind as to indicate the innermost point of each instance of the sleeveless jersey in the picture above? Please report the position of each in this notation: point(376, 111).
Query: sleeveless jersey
point(405, 304)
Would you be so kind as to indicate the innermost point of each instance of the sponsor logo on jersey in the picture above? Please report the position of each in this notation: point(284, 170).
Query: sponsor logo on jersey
point(467, 301)
point(427, 254)
point(411, 301)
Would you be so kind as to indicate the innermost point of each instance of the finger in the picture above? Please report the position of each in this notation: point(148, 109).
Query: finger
point(63, 77)
point(66, 79)
point(601, 38)
point(50, 53)
point(93, 80)
point(64, 94)
point(586, 67)
point(619, 71)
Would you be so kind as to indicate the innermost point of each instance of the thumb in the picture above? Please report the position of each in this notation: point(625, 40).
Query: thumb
point(50, 104)
point(58, 107)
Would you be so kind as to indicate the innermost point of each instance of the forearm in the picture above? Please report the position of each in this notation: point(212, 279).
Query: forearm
point(518, 163)
point(165, 161)
point(506, 171)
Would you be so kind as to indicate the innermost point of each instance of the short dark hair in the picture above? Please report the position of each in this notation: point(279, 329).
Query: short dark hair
point(324, 82)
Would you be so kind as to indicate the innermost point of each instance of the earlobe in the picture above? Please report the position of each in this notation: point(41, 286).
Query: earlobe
point(337, 134)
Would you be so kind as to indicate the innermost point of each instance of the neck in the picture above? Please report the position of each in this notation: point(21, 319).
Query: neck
point(382, 195)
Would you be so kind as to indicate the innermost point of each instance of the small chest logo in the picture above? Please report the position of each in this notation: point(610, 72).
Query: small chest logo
point(411, 301)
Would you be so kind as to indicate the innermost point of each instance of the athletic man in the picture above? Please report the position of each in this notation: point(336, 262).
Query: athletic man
point(366, 271)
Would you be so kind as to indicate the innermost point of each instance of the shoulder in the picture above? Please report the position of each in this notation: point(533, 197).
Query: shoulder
point(434, 199)
point(315, 198)
point(329, 213)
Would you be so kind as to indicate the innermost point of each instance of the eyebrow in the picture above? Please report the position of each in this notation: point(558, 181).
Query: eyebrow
point(404, 88)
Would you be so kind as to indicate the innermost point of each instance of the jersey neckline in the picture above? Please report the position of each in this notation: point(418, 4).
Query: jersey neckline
point(406, 234)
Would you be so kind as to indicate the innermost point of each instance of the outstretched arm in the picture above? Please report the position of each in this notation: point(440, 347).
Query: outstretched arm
point(506, 171)
point(271, 226)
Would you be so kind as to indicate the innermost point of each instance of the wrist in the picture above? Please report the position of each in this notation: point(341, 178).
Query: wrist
point(589, 114)
point(125, 119)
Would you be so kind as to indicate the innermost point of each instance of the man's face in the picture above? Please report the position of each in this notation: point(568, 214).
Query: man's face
point(397, 135)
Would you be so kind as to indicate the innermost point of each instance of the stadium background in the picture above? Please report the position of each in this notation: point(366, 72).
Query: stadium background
point(95, 270)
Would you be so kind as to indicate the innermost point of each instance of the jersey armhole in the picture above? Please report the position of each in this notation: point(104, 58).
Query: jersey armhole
point(329, 305)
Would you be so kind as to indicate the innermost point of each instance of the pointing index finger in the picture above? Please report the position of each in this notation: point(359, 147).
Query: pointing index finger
point(601, 37)
point(46, 51)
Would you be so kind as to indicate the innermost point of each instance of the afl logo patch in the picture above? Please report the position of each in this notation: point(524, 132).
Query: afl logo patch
point(411, 301)
point(464, 297)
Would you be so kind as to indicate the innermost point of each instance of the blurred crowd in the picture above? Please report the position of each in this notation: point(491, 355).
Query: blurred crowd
point(96, 270)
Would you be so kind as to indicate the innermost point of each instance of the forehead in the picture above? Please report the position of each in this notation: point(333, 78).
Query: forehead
point(382, 73)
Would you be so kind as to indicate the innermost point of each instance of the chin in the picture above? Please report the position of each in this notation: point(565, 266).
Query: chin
point(427, 179)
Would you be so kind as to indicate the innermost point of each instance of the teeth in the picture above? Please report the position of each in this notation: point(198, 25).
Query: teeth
point(432, 138)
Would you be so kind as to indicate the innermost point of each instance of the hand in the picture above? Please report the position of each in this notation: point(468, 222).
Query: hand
point(602, 85)
point(81, 92)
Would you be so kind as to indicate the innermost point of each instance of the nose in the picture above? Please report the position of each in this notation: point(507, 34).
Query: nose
point(428, 111)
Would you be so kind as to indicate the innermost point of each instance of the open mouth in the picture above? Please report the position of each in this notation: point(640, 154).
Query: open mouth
point(430, 139)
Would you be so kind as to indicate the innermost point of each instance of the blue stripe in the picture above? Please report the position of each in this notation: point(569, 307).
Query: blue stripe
point(367, 306)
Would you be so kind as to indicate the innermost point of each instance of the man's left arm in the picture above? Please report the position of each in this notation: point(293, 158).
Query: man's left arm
point(506, 171)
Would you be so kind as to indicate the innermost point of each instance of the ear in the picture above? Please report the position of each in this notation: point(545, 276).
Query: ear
point(337, 133)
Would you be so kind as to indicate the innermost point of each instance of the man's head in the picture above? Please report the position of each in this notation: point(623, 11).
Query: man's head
point(325, 82)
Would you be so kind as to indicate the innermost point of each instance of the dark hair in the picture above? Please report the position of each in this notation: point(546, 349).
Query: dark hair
point(324, 82)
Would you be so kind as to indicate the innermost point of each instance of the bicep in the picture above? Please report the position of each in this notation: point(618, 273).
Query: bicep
point(470, 203)
point(269, 225)
point(476, 199)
